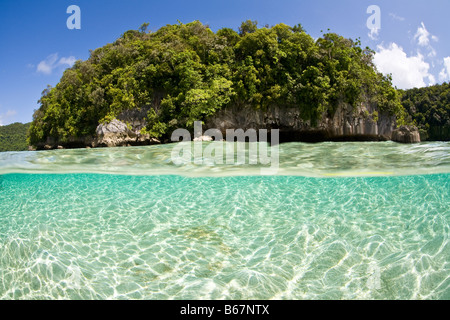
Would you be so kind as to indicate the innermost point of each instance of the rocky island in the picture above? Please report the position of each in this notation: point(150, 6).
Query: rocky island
point(140, 88)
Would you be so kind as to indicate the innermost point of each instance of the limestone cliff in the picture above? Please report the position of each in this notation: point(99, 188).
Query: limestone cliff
point(363, 123)
point(347, 124)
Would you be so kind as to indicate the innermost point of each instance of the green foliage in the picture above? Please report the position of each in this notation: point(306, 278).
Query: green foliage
point(375, 116)
point(248, 27)
point(155, 128)
point(143, 27)
point(429, 109)
point(13, 137)
point(186, 72)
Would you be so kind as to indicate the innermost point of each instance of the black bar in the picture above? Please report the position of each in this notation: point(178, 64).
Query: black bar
point(219, 309)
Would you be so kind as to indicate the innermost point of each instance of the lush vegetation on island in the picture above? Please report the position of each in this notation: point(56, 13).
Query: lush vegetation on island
point(13, 137)
point(429, 109)
point(187, 72)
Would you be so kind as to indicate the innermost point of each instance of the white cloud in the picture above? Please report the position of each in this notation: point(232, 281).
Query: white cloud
point(46, 66)
point(373, 34)
point(51, 62)
point(396, 17)
point(422, 35)
point(407, 72)
point(5, 116)
point(423, 38)
point(431, 80)
point(444, 75)
point(67, 61)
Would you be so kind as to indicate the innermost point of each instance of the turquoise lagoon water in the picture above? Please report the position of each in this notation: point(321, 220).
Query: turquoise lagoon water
point(337, 221)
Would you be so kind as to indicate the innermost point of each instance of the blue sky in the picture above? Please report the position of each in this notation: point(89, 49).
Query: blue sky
point(412, 43)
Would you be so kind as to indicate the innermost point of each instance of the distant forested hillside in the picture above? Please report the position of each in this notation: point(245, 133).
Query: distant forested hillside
point(13, 137)
point(429, 109)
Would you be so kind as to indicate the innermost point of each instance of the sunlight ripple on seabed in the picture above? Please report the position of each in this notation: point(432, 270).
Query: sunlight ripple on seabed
point(129, 236)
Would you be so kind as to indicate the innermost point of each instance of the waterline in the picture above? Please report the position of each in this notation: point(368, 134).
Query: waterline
point(295, 159)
